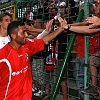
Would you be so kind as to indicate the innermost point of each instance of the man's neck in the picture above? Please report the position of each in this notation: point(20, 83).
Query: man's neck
point(15, 45)
point(3, 33)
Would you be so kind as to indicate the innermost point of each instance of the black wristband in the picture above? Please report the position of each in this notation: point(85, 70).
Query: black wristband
point(69, 26)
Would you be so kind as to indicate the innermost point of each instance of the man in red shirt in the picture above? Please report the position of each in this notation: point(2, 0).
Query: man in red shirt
point(15, 69)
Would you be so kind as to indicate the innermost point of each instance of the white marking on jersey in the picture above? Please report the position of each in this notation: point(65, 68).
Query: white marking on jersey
point(20, 55)
point(10, 70)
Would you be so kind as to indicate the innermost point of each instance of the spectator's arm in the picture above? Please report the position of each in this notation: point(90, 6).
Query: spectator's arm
point(33, 29)
point(80, 29)
point(79, 24)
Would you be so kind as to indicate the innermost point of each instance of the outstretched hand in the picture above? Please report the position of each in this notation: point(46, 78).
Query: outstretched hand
point(94, 21)
point(60, 19)
point(65, 25)
point(49, 26)
point(63, 22)
point(29, 27)
point(31, 30)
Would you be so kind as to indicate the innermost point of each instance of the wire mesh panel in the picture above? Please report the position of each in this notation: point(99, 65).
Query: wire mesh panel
point(46, 65)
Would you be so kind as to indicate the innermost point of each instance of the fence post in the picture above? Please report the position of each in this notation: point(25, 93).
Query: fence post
point(66, 58)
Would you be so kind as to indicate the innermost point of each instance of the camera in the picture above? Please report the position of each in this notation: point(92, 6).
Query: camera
point(55, 18)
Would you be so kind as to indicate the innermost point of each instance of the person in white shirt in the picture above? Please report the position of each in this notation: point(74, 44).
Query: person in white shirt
point(5, 19)
point(29, 14)
point(61, 8)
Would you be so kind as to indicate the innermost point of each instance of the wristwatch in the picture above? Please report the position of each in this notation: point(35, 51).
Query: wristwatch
point(69, 26)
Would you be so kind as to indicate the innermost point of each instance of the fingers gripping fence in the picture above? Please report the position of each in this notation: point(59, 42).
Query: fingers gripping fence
point(66, 57)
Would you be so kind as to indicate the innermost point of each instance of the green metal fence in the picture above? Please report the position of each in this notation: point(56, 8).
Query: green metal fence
point(46, 79)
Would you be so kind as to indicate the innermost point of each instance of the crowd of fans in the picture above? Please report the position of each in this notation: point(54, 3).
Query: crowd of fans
point(68, 10)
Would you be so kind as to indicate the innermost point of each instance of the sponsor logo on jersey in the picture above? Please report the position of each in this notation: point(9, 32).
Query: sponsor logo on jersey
point(23, 70)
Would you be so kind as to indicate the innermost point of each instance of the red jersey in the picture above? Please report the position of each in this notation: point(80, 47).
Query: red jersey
point(15, 70)
point(79, 45)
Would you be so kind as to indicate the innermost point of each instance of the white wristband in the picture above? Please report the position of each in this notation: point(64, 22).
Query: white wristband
point(44, 33)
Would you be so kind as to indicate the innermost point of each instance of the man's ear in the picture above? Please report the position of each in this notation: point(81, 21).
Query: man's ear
point(13, 35)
